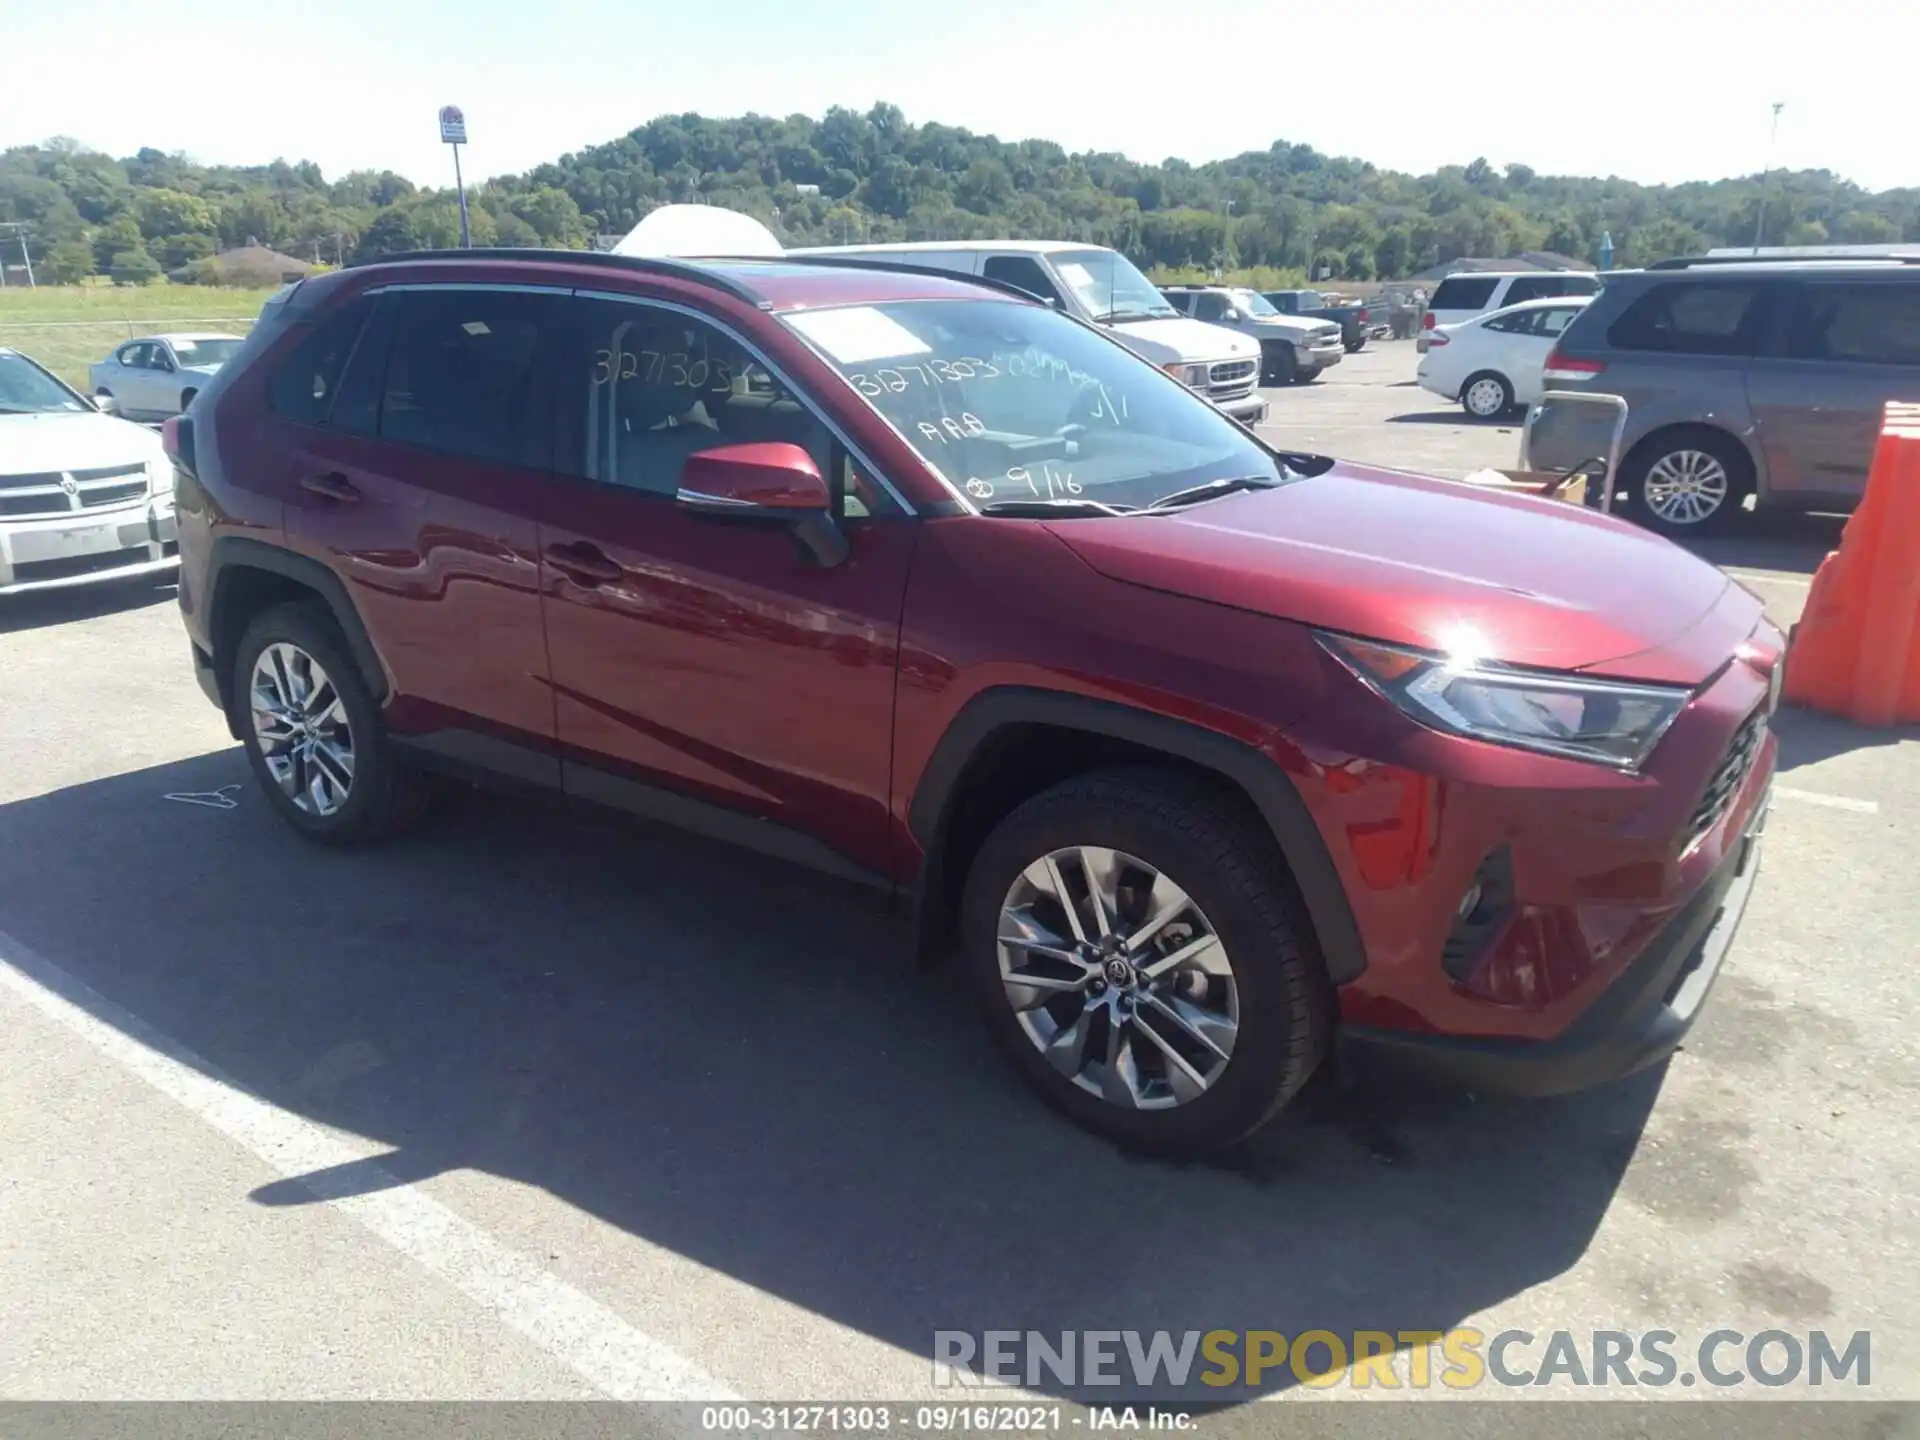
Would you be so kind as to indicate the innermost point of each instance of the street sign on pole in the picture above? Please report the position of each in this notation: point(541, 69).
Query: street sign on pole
point(453, 131)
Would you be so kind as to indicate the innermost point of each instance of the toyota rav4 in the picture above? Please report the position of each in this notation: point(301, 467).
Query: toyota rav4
point(1195, 755)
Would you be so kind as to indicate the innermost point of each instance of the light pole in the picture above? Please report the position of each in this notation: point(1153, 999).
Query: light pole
point(1773, 136)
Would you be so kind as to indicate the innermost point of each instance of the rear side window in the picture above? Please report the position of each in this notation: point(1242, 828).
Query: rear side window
point(1521, 323)
point(302, 389)
point(1463, 292)
point(1689, 319)
point(1542, 287)
point(463, 375)
point(1857, 324)
point(1021, 270)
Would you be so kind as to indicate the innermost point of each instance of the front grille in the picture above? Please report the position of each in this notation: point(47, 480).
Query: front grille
point(110, 472)
point(1231, 379)
point(1728, 775)
point(92, 497)
point(28, 503)
point(29, 482)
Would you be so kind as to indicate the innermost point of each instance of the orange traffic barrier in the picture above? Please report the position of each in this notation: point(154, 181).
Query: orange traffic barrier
point(1856, 650)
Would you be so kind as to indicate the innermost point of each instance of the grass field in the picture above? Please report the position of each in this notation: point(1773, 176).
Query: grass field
point(68, 327)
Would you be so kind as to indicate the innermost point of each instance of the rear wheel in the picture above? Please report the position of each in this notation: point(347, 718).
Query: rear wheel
point(1487, 396)
point(1687, 482)
point(1137, 961)
point(313, 732)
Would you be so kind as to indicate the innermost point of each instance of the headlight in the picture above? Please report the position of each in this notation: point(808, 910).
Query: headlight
point(1193, 376)
point(1557, 714)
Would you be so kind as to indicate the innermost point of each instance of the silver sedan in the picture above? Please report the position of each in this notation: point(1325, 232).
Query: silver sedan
point(158, 376)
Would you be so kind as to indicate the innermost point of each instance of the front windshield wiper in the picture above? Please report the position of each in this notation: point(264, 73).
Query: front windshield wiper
point(1054, 508)
point(23, 410)
point(1210, 489)
point(1121, 317)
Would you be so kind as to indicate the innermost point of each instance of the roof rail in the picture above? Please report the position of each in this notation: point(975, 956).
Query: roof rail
point(1690, 262)
point(902, 267)
point(637, 264)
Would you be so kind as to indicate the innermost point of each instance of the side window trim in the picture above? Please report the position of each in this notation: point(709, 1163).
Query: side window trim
point(760, 356)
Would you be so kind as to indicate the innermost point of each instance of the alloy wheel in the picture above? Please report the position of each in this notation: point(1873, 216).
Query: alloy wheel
point(1118, 978)
point(1486, 398)
point(1685, 487)
point(302, 729)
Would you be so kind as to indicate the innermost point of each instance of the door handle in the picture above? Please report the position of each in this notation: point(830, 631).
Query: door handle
point(583, 563)
point(331, 486)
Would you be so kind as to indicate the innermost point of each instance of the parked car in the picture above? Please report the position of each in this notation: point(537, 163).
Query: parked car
point(84, 497)
point(1492, 363)
point(1293, 350)
point(152, 378)
point(1461, 297)
point(1761, 381)
point(1195, 753)
point(1101, 287)
point(1355, 321)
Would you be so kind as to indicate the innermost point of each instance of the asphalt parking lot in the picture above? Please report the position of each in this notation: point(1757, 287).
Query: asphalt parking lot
point(531, 1106)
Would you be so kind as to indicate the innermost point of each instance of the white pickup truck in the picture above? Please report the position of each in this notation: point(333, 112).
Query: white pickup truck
point(1103, 287)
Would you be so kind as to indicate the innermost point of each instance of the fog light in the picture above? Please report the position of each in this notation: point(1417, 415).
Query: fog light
point(1482, 912)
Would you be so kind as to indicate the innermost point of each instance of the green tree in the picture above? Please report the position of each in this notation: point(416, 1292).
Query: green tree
point(119, 235)
point(68, 263)
point(133, 267)
point(170, 212)
point(391, 233)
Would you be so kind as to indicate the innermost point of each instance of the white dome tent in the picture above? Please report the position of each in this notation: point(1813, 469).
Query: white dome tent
point(692, 231)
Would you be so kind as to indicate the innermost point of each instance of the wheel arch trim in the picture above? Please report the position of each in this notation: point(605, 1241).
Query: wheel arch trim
point(1270, 789)
point(231, 553)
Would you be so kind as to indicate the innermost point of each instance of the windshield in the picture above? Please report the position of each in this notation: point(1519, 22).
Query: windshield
point(26, 389)
point(206, 352)
point(1108, 285)
point(1014, 402)
point(1253, 302)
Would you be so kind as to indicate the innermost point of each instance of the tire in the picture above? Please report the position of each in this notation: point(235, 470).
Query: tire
point(186, 399)
point(1487, 395)
point(1354, 347)
point(1277, 364)
point(1684, 468)
point(1274, 993)
point(380, 795)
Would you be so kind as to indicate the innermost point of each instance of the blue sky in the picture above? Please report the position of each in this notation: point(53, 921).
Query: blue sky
point(1655, 90)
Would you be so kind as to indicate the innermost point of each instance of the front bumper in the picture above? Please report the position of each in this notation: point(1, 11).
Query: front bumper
point(1249, 409)
point(1638, 1021)
point(1322, 357)
point(88, 547)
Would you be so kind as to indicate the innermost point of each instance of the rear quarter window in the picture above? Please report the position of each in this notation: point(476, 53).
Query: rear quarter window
point(1463, 292)
point(1542, 287)
point(1689, 318)
point(302, 389)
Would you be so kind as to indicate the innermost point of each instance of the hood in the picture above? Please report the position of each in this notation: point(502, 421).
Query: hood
point(72, 440)
point(1294, 327)
point(1432, 564)
point(1193, 341)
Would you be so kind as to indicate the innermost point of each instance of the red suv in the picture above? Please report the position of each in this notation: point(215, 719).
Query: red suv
point(1201, 755)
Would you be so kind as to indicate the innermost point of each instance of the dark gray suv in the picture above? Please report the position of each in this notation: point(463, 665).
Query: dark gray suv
point(1741, 379)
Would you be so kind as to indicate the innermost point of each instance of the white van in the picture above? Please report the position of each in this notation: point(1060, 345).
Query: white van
point(1469, 293)
point(1100, 286)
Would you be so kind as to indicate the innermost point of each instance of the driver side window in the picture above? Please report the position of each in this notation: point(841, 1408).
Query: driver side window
point(644, 387)
point(1209, 307)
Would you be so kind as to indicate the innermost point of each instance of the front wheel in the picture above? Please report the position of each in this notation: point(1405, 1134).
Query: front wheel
point(1354, 347)
point(1138, 960)
point(1278, 365)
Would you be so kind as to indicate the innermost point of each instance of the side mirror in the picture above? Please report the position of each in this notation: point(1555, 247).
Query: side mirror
point(1229, 314)
point(106, 404)
point(770, 482)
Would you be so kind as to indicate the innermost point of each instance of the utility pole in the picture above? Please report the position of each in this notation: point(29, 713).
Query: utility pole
point(1773, 136)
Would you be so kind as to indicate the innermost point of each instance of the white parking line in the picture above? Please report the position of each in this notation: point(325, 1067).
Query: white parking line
point(1832, 802)
point(1767, 577)
point(594, 1342)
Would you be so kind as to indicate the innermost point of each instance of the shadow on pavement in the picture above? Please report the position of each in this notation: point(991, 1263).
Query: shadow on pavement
point(1453, 417)
point(736, 1061)
point(1808, 737)
point(37, 608)
point(1774, 540)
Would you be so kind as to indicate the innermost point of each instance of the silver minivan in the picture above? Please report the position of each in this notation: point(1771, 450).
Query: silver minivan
point(1761, 381)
